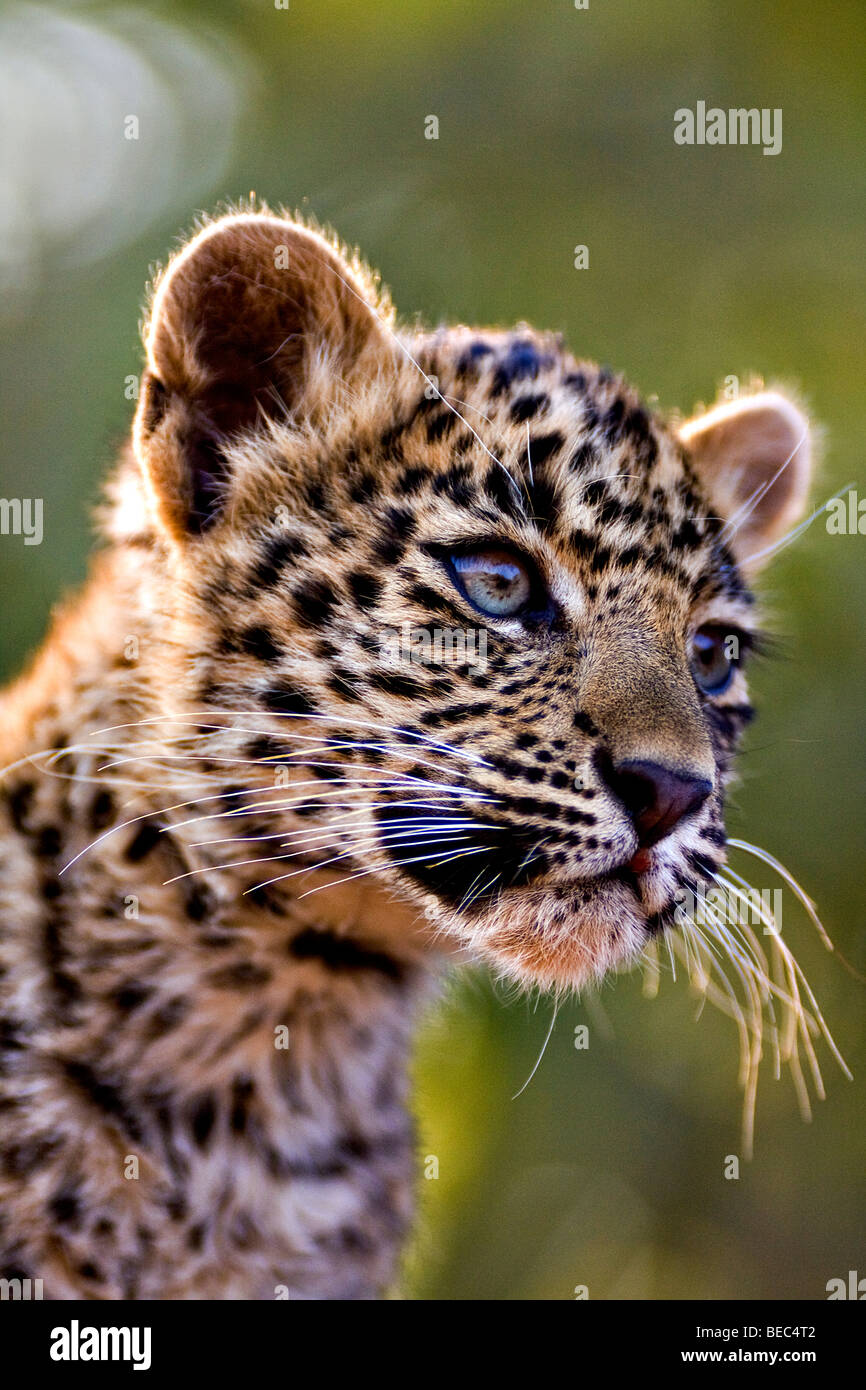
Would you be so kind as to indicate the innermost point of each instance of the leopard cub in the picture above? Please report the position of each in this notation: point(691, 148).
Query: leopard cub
point(400, 644)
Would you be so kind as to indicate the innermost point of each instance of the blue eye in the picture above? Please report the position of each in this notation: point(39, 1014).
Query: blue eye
point(711, 663)
point(495, 580)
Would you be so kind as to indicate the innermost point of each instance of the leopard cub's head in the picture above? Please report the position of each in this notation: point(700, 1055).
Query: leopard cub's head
point(485, 612)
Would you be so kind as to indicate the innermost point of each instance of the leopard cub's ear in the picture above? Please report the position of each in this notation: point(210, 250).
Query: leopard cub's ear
point(257, 316)
point(754, 458)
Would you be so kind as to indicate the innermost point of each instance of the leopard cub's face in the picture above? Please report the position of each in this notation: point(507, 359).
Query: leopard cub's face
point(485, 613)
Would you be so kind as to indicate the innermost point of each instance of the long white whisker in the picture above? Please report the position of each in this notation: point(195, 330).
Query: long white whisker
point(794, 535)
point(773, 863)
point(541, 1053)
point(339, 720)
point(744, 512)
point(338, 826)
point(421, 859)
point(370, 841)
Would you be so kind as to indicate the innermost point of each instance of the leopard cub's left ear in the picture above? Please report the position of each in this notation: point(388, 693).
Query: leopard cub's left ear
point(754, 458)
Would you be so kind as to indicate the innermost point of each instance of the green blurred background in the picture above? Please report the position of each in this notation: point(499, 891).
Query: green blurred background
point(555, 129)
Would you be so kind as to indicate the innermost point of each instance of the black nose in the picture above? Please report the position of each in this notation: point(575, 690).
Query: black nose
point(656, 798)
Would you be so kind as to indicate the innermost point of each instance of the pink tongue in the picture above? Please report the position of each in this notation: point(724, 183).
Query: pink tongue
point(641, 861)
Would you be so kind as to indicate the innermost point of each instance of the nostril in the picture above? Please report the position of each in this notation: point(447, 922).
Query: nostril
point(656, 797)
point(637, 790)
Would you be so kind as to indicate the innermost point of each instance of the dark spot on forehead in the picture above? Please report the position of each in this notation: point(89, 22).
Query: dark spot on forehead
point(202, 1119)
point(130, 997)
point(544, 503)
point(456, 482)
point(197, 902)
point(412, 480)
point(582, 543)
point(48, 842)
point(471, 358)
point(396, 529)
point(277, 552)
point(502, 491)
point(542, 446)
point(104, 1095)
point(584, 457)
point(526, 406)
point(65, 1207)
point(521, 360)
point(584, 723)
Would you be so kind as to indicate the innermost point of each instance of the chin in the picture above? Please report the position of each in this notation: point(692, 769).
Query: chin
point(557, 938)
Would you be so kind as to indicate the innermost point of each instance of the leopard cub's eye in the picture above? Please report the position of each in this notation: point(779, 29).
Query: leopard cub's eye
point(713, 659)
point(494, 579)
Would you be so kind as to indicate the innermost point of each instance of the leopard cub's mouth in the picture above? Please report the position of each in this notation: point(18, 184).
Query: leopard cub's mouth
point(559, 937)
point(557, 933)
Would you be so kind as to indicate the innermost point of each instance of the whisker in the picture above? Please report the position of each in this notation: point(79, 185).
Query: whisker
point(773, 863)
point(741, 515)
point(335, 828)
point(541, 1053)
point(482, 888)
point(286, 803)
point(339, 720)
point(282, 804)
point(370, 842)
point(797, 531)
point(764, 982)
point(421, 859)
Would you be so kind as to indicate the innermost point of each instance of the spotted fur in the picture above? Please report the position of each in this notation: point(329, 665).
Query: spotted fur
point(300, 469)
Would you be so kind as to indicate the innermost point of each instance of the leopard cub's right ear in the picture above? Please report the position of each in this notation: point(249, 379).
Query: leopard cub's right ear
point(239, 320)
